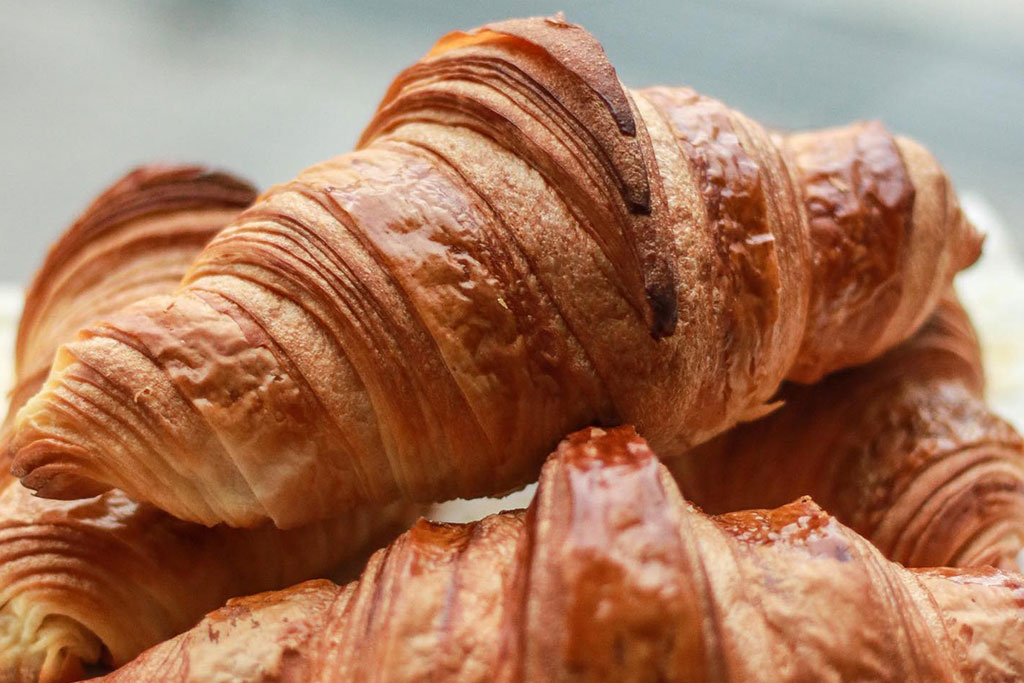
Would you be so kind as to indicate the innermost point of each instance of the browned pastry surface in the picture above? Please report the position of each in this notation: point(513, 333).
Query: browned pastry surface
point(903, 450)
point(612, 576)
point(104, 578)
point(520, 247)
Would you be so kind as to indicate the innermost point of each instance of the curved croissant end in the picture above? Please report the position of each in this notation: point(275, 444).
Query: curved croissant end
point(880, 211)
point(904, 450)
point(423, 318)
point(612, 576)
point(100, 580)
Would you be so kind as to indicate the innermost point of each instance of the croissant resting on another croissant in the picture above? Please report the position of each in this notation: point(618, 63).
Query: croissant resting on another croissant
point(612, 576)
point(105, 578)
point(903, 450)
point(520, 248)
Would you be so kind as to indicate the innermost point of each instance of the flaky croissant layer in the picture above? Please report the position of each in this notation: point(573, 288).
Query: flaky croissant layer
point(612, 576)
point(100, 580)
point(903, 450)
point(520, 247)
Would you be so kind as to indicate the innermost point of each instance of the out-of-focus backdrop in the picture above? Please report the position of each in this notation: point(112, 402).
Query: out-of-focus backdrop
point(264, 88)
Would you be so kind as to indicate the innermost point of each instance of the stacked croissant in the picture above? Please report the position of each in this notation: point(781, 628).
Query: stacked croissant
point(220, 393)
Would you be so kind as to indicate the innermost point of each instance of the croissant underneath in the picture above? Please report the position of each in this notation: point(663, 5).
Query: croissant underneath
point(612, 576)
point(903, 450)
point(520, 247)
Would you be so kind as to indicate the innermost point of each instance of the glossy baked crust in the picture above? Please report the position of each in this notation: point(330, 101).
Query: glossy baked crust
point(520, 247)
point(100, 580)
point(612, 576)
point(903, 450)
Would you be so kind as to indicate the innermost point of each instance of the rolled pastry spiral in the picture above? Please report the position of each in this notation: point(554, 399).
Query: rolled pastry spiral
point(612, 576)
point(100, 580)
point(521, 246)
point(904, 450)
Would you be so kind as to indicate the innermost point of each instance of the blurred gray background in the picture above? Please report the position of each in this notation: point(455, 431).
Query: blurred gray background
point(90, 88)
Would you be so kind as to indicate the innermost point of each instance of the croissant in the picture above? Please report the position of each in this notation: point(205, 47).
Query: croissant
point(103, 579)
point(520, 247)
point(903, 450)
point(611, 576)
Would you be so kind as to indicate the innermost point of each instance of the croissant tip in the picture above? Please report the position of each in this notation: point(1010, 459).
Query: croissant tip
point(50, 474)
point(975, 241)
point(606, 446)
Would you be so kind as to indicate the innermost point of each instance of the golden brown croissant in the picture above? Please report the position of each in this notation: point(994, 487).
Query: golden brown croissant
point(612, 576)
point(105, 578)
point(520, 247)
point(903, 450)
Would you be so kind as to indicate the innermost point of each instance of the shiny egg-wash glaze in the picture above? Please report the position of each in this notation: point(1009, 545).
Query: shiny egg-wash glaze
point(100, 580)
point(612, 576)
point(903, 450)
point(521, 246)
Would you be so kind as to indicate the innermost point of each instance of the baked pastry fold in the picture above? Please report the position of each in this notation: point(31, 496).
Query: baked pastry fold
point(97, 581)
